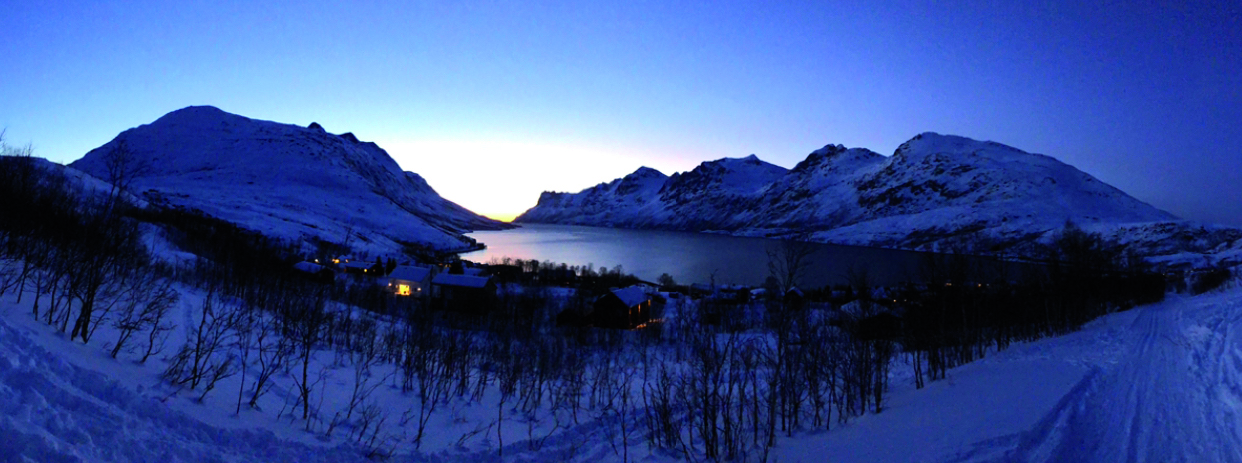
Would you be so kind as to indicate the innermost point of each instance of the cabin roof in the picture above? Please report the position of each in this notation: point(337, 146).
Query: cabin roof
point(409, 273)
point(631, 296)
point(465, 281)
point(308, 267)
point(358, 264)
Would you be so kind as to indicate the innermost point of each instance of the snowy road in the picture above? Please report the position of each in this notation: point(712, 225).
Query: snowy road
point(1175, 393)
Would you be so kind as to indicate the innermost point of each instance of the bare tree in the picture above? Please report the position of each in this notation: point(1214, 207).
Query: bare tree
point(789, 260)
point(143, 304)
point(197, 362)
point(271, 352)
point(122, 167)
point(310, 321)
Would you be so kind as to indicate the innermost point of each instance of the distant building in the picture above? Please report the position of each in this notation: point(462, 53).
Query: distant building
point(465, 293)
point(795, 299)
point(505, 273)
point(316, 271)
point(362, 268)
point(625, 308)
point(408, 280)
point(308, 267)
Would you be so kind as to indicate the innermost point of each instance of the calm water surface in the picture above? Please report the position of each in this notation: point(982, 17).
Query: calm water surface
point(688, 257)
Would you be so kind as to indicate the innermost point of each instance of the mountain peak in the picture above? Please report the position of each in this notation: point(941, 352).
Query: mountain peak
point(195, 114)
point(288, 181)
point(645, 171)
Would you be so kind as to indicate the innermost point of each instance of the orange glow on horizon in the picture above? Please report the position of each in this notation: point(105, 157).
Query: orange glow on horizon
point(501, 179)
point(501, 216)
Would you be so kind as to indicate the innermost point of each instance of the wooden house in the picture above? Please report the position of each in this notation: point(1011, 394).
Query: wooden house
point(795, 299)
point(360, 267)
point(625, 308)
point(315, 271)
point(465, 293)
point(407, 280)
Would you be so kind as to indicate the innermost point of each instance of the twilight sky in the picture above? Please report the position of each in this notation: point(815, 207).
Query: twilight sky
point(493, 102)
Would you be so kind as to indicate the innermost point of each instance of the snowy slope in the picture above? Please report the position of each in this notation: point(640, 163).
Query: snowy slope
point(54, 410)
point(1157, 383)
point(287, 181)
point(935, 190)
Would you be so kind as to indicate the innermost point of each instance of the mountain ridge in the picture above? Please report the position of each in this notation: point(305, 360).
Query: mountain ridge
point(934, 190)
point(288, 181)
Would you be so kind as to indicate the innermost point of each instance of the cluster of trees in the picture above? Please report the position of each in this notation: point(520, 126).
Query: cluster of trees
point(79, 253)
point(964, 308)
point(532, 272)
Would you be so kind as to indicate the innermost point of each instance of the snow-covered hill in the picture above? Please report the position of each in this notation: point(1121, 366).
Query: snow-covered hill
point(286, 181)
point(935, 190)
point(1156, 383)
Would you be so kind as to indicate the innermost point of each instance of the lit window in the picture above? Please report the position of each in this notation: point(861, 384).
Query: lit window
point(404, 290)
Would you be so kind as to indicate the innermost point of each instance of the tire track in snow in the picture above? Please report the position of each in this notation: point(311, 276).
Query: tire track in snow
point(1175, 396)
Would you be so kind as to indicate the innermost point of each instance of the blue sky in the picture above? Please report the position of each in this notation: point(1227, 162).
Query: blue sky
point(493, 102)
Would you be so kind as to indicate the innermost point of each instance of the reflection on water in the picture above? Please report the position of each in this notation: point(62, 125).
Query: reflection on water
point(688, 257)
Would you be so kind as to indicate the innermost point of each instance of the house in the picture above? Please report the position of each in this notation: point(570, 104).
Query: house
point(318, 271)
point(362, 268)
point(625, 308)
point(308, 267)
point(505, 273)
point(466, 293)
point(795, 299)
point(406, 280)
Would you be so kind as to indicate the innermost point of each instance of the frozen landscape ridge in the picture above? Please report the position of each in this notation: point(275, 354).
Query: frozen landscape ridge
point(286, 181)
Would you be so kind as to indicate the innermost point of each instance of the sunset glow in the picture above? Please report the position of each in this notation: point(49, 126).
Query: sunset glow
point(504, 178)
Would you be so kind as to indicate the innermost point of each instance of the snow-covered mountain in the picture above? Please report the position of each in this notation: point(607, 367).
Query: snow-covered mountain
point(698, 199)
point(286, 181)
point(934, 190)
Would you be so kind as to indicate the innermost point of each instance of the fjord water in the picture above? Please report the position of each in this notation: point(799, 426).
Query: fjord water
point(688, 257)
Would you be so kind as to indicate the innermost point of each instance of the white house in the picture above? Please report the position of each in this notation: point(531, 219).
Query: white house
point(406, 280)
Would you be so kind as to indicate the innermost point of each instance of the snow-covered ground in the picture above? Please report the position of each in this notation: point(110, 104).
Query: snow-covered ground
point(1157, 383)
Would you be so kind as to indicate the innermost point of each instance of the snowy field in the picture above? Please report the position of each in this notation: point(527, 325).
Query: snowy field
point(1157, 383)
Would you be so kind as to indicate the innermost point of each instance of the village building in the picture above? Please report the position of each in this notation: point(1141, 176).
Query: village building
point(795, 299)
point(465, 293)
point(308, 267)
point(406, 280)
point(625, 308)
point(360, 267)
